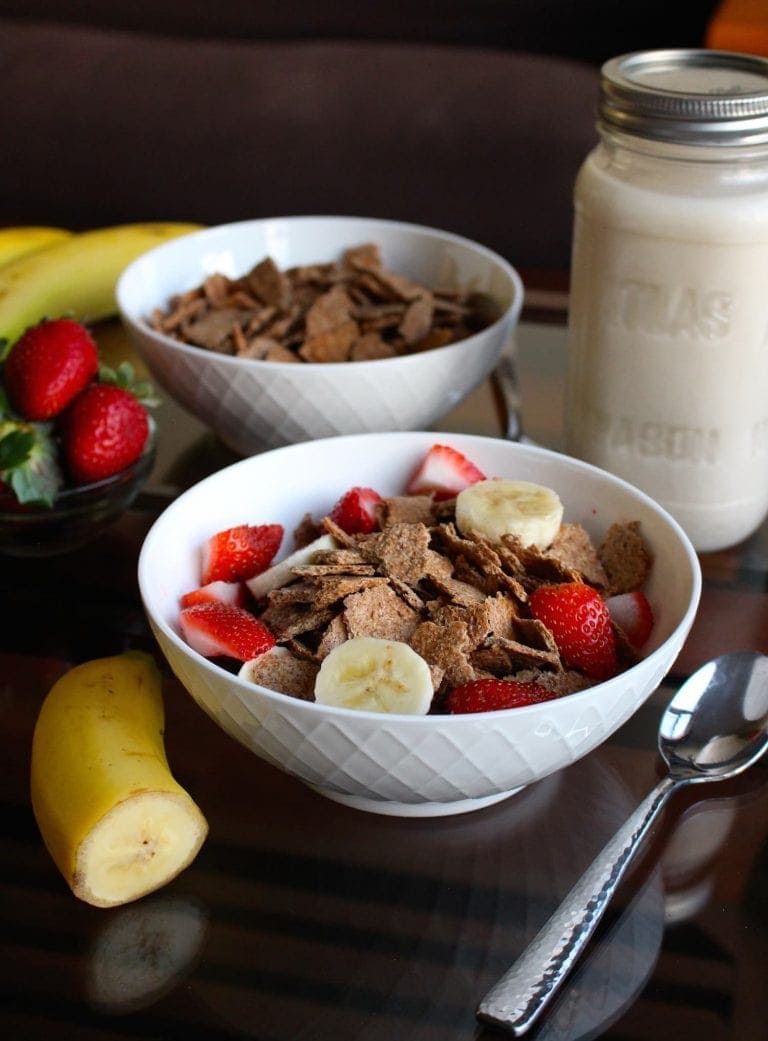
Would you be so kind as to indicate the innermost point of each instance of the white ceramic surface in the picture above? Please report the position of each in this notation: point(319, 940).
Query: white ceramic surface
point(405, 765)
point(255, 404)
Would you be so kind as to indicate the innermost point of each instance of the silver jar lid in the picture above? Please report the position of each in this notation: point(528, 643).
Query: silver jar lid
point(687, 96)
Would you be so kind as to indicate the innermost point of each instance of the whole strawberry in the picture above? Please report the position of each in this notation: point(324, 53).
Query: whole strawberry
point(579, 621)
point(48, 366)
point(104, 431)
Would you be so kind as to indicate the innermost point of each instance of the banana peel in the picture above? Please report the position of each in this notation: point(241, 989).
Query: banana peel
point(16, 242)
point(75, 276)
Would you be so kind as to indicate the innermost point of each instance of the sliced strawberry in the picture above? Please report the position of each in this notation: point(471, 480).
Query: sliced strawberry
point(579, 621)
point(355, 512)
point(220, 592)
point(239, 553)
point(443, 473)
point(48, 366)
point(222, 630)
point(632, 613)
point(487, 695)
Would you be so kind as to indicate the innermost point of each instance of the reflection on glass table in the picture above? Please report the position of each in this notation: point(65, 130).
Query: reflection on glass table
point(304, 920)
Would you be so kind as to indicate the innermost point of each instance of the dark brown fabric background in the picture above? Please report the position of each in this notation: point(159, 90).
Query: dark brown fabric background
point(213, 113)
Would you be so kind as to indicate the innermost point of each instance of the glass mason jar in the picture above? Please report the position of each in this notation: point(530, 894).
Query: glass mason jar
point(667, 381)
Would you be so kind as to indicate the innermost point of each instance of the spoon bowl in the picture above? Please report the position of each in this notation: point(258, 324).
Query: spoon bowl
point(716, 724)
point(714, 728)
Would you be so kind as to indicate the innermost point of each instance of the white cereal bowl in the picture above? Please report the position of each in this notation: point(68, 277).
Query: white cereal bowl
point(395, 764)
point(252, 404)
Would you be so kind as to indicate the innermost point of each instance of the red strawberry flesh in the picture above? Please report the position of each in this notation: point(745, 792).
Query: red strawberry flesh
point(488, 695)
point(48, 366)
point(579, 621)
point(221, 592)
point(443, 473)
point(215, 630)
point(355, 512)
point(237, 554)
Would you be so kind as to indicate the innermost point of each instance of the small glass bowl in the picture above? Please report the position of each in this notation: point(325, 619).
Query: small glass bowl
point(78, 515)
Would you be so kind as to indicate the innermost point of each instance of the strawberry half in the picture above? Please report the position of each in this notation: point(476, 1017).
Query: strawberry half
point(488, 695)
point(223, 630)
point(355, 512)
point(579, 621)
point(48, 366)
point(103, 432)
point(237, 554)
point(632, 613)
point(443, 473)
point(218, 592)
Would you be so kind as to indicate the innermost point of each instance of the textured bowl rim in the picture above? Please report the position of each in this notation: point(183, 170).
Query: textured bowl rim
point(460, 719)
point(139, 321)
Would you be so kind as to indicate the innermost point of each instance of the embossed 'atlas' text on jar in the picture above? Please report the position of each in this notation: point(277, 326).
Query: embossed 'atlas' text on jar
point(668, 329)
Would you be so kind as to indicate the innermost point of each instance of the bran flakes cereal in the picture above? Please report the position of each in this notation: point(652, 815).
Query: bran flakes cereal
point(344, 311)
point(458, 600)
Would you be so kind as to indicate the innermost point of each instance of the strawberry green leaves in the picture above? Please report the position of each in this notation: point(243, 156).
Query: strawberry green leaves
point(28, 463)
point(124, 377)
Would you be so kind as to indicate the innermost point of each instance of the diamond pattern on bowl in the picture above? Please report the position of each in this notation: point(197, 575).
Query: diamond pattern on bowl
point(265, 405)
point(390, 759)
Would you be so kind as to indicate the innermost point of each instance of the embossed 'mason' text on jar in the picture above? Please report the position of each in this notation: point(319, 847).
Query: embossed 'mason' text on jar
point(668, 328)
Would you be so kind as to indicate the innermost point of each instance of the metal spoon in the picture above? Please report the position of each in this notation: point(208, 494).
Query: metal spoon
point(714, 728)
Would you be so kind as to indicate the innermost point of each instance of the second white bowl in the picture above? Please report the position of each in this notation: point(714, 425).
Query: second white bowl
point(254, 404)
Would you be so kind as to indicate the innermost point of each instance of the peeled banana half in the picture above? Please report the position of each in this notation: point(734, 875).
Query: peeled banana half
point(76, 275)
point(501, 506)
point(114, 819)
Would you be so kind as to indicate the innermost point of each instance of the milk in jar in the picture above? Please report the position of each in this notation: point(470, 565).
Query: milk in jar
point(667, 380)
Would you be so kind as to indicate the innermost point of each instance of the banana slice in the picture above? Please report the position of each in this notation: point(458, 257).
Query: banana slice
point(375, 675)
point(280, 573)
point(500, 506)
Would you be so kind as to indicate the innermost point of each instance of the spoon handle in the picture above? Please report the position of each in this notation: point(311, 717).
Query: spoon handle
point(523, 992)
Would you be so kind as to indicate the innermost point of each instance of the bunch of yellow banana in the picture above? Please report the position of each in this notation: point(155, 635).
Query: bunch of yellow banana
point(51, 272)
point(114, 819)
point(15, 242)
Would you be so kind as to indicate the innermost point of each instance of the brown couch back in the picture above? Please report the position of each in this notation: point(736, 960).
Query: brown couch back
point(106, 124)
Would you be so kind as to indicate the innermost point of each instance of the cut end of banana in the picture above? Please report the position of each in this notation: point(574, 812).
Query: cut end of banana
point(137, 847)
point(373, 675)
point(500, 506)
